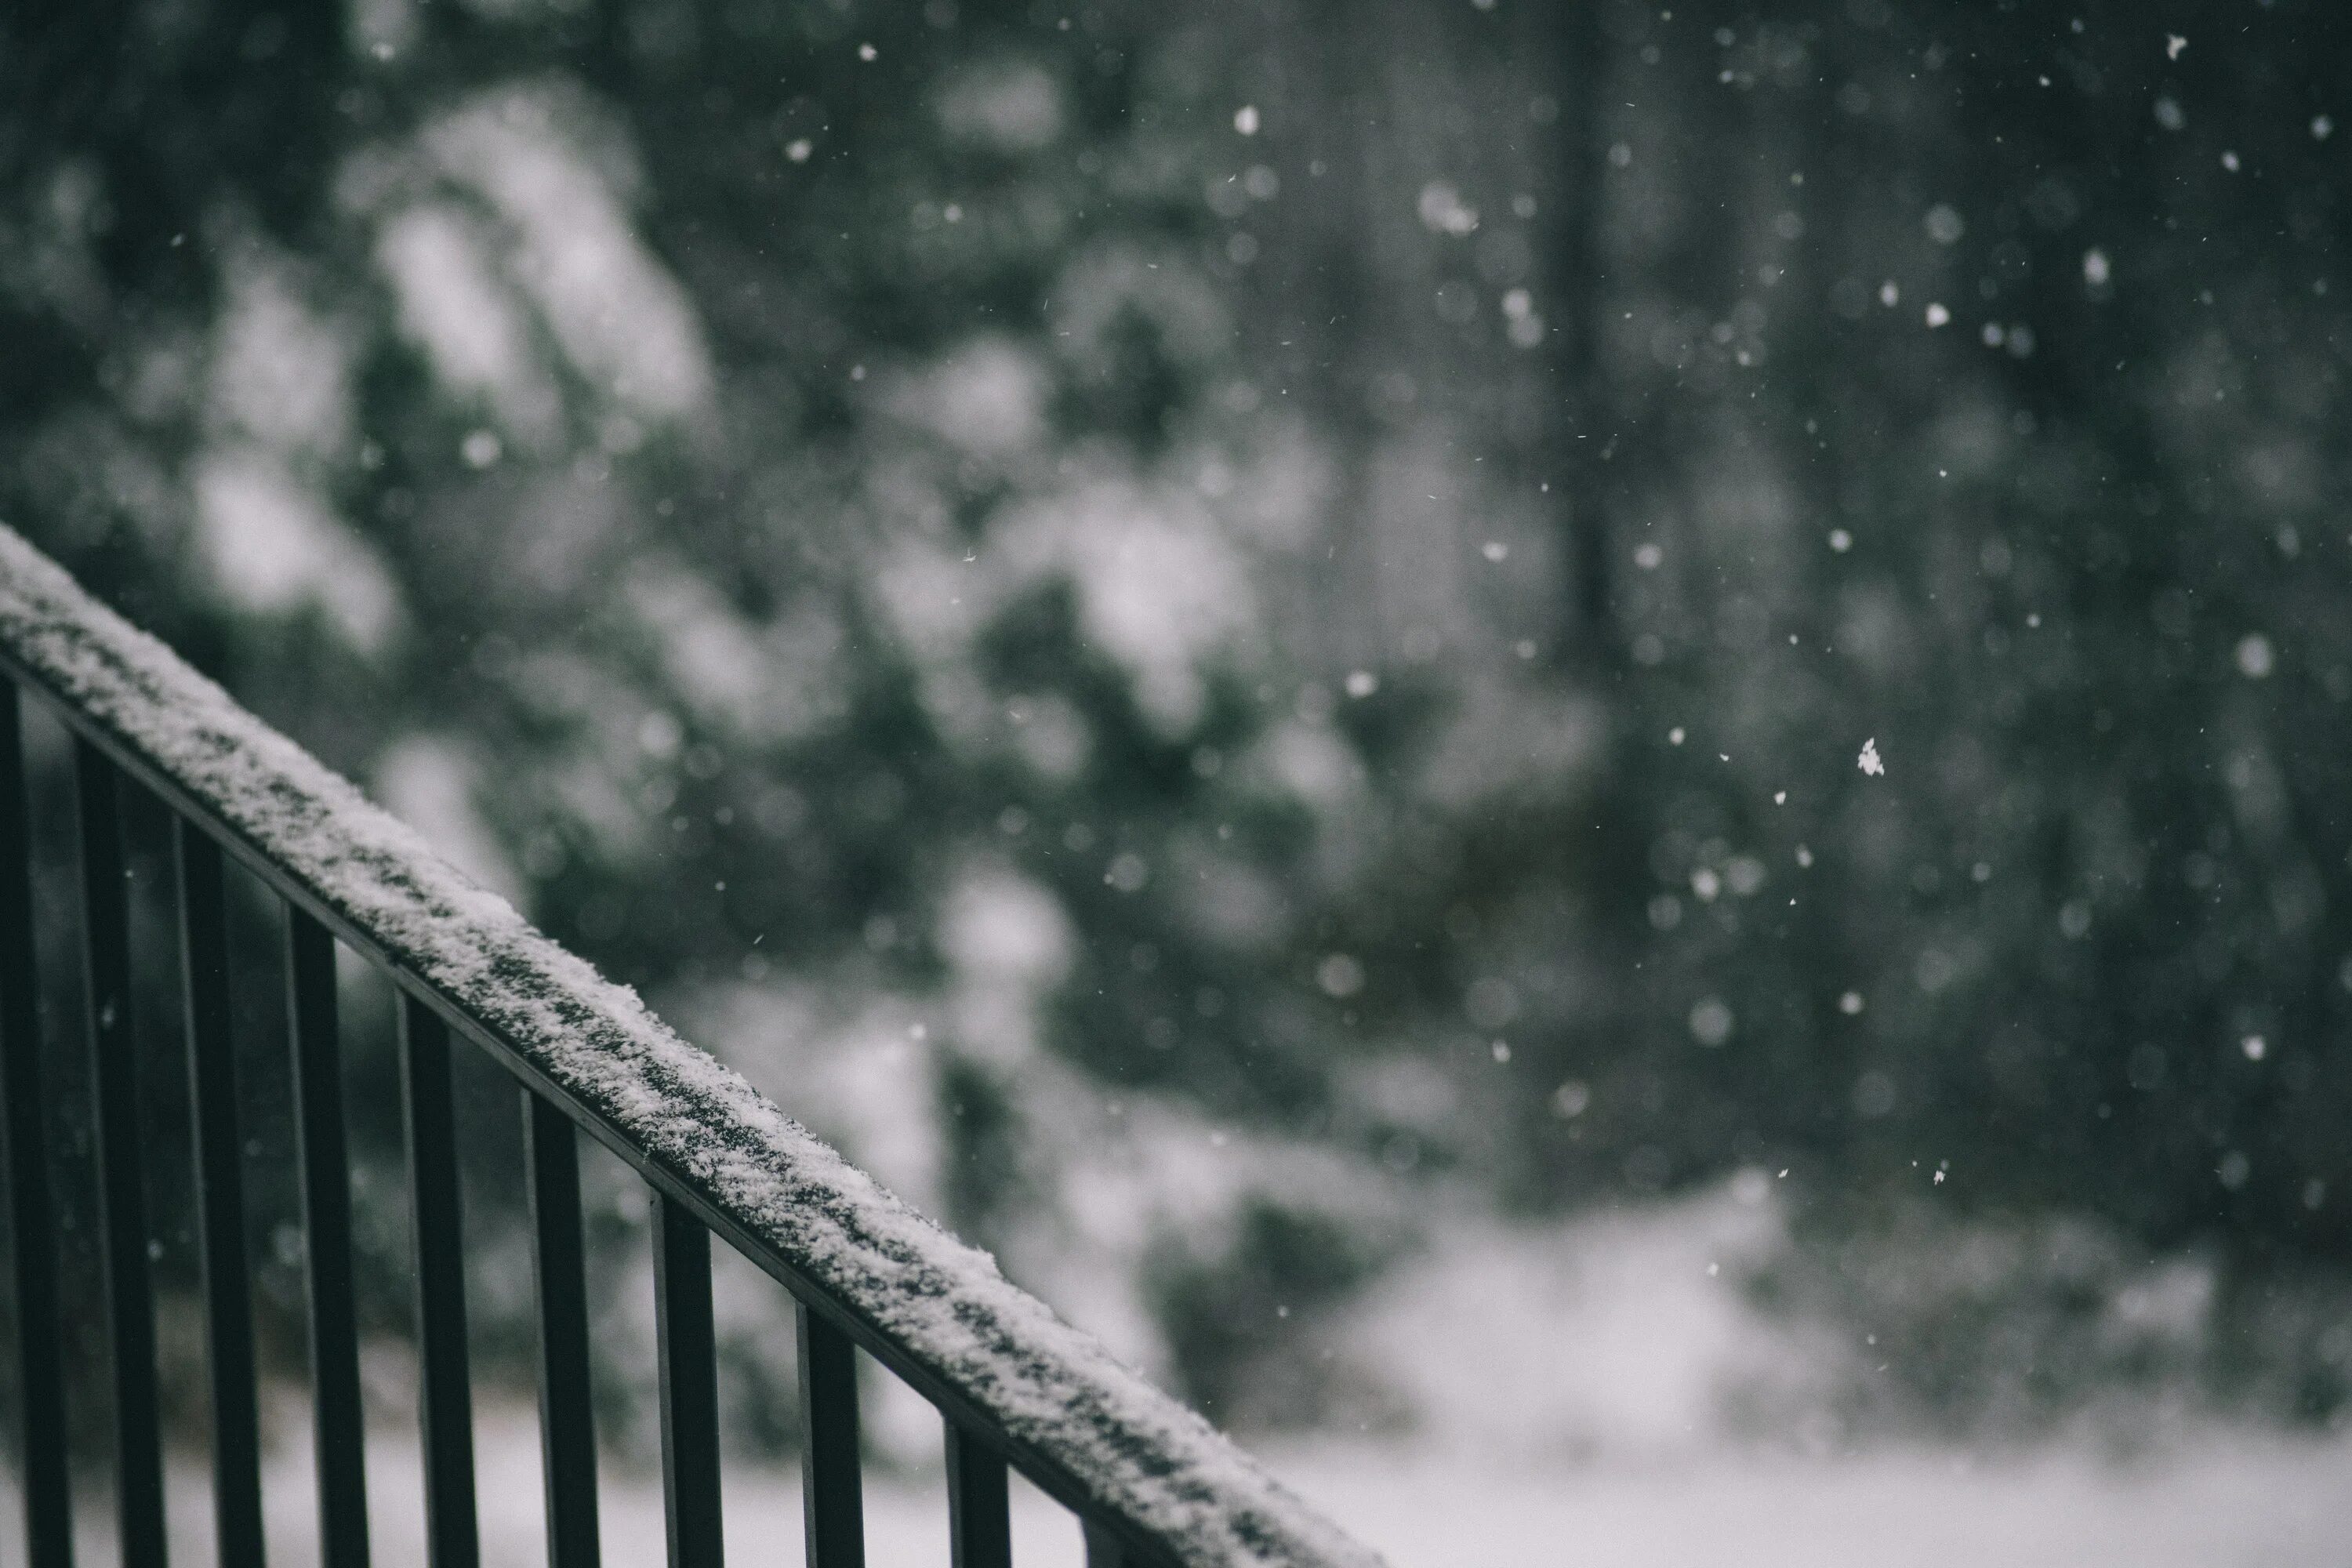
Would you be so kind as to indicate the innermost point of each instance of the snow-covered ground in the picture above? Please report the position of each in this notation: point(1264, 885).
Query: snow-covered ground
point(2216, 1500)
point(2229, 1499)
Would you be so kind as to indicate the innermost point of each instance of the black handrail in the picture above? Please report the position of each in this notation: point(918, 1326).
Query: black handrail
point(1150, 1482)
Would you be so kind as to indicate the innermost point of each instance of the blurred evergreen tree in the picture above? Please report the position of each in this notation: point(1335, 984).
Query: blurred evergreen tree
point(896, 529)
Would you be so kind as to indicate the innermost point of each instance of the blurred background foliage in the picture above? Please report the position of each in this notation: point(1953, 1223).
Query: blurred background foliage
point(1221, 636)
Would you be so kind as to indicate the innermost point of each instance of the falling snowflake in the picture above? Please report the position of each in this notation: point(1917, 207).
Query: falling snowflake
point(2173, 44)
point(1870, 762)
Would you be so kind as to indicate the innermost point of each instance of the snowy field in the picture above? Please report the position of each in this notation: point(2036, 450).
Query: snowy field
point(2226, 1502)
point(2218, 1500)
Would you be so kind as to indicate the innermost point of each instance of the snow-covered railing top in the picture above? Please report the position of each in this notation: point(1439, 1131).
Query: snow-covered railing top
point(1087, 1429)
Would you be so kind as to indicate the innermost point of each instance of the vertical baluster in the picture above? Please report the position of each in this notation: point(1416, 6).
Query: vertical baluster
point(122, 1203)
point(979, 1507)
point(566, 1413)
point(340, 1430)
point(446, 1405)
point(1102, 1550)
point(689, 1386)
point(220, 1197)
point(832, 1508)
point(40, 1382)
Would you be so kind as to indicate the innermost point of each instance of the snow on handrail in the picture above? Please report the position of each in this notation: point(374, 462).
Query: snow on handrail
point(1084, 1427)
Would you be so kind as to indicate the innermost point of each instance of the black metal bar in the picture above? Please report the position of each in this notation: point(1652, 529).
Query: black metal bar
point(980, 1505)
point(833, 1508)
point(123, 1202)
point(445, 1408)
point(567, 1417)
point(1103, 1549)
point(340, 1429)
point(689, 1386)
point(40, 1360)
point(220, 1197)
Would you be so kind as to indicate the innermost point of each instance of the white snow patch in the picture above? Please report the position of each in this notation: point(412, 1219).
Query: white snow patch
point(454, 306)
point(271, 547)
point(622, 319)
point(987, 397)
point(1523, 1345)
point(1160, 588)
point(1014, 106)
point(280, 371)
point(429, 782)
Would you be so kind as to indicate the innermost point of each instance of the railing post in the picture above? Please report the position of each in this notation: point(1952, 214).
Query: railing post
point(122, 1203)
point(220, 1198)
point(24, 1109)
point(979, 1507)
point(567, 1412)
point(339, 1422)
point(833, 1508)
point(445, 1403)
point(689, 1386)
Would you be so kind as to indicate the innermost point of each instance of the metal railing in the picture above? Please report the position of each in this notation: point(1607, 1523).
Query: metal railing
point(1151, 1482)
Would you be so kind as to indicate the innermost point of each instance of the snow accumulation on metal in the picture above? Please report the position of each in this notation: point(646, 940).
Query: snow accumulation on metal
point(1084, 1427)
